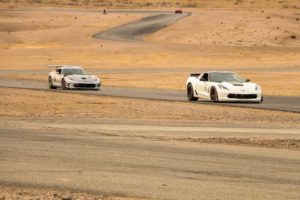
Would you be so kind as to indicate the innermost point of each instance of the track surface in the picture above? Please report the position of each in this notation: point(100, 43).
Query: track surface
point(138, 29)
point(289, 104)
point(131, 159)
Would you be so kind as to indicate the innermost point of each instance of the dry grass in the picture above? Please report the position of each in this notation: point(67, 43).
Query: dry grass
point(291, 144)
point(12, 193)
point(26, 103)
point(159, 3)
point(241, 27)
point(210, 39)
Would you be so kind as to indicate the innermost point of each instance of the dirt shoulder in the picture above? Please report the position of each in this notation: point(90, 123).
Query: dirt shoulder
point(87, 156)
point(28, 103)
point(13, 193)
point(156, 4)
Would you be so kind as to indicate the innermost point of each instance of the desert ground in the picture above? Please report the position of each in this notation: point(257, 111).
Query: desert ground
point(74, 146)
point(260, 44)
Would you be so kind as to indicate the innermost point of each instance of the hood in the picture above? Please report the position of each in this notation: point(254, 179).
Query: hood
point(240, 87)
point(82, 78)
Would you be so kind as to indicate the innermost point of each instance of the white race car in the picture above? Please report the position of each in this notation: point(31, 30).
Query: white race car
point(72, 77)
point(222, 86)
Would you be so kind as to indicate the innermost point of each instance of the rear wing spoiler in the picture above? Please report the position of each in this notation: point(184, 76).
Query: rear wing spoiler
point(195, 75)
point(56, 66)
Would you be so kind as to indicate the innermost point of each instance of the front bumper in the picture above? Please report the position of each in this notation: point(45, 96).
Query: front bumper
point(227, 96)
point(84, 86)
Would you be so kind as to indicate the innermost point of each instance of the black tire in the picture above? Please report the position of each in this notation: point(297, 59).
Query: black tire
point(63, 84)
point(50, 83)
point(262, 99)
point(190, 93)
point(214, 95)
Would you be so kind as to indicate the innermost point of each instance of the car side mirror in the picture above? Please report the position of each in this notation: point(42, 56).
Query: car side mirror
point(202, 79)
point(248, 80)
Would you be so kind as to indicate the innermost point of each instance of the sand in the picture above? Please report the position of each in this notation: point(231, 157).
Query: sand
point(159, 3)
point(40, 104)
point(13, 193)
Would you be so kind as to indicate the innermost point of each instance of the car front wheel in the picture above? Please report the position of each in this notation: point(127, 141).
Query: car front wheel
point(214, 95)
point(63, 84)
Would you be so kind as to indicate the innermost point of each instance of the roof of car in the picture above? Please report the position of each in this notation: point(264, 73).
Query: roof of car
point(217, 72)
point(69, 66)
point(65, 66)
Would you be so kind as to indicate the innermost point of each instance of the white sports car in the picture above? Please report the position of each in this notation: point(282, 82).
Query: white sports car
point(222, 86)
point(72, 77)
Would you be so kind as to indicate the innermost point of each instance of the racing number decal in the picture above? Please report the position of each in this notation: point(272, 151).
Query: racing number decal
point(206, 88)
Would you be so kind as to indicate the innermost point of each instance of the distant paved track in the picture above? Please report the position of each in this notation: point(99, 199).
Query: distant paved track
point(287, 104)
point(132, 31)
point(138, 29)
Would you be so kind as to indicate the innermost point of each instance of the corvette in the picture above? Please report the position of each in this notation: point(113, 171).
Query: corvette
point(72, 77)
point(222, 86)
point(178, 11)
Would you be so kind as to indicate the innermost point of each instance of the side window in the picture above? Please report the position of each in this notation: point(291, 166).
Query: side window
point(205, 77)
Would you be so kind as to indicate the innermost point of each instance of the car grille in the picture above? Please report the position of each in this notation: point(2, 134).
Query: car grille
point(242, 96)
point(237, 84)
point(84, 85)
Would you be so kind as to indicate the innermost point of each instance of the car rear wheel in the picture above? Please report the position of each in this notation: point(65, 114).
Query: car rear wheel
point(190, 93)
point(214, 95)
point(50, 83)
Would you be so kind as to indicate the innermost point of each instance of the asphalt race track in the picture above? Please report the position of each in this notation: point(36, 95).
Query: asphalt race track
point(138, 29)
point(289, 104)
point(130, 159)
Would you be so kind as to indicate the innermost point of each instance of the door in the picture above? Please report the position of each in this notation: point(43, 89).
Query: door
point(57, 77)
point(201, 85)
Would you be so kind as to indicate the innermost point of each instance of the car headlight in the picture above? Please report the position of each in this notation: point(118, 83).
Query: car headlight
point(222, 87)
point(257, 87)
point(70, 78)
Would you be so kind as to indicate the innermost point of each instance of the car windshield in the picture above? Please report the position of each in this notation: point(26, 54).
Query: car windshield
point(225, 77)
point(73, 71)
